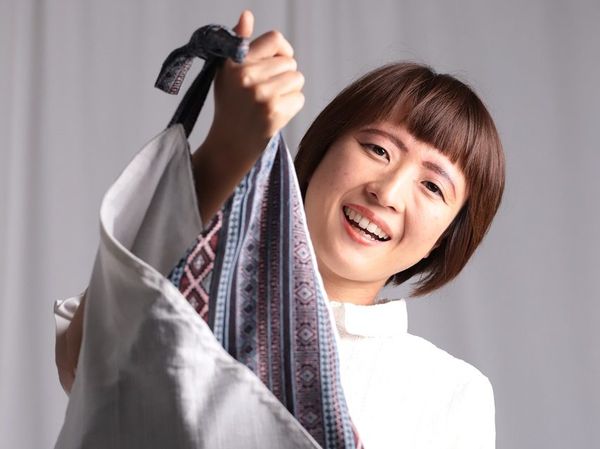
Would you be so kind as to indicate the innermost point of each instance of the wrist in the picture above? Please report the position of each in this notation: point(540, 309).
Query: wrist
point(227, 156)
point(218, 165)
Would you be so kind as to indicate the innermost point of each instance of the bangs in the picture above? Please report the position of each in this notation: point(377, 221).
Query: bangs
point(435, 108)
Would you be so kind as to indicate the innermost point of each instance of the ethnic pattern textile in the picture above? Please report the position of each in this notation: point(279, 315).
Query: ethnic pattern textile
point(254, 266)
point(193, 273)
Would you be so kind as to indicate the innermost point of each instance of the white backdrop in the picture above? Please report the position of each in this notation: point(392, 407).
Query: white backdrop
point(77, 101)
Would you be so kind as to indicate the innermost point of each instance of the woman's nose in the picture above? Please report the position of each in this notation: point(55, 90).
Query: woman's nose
point(391, 190)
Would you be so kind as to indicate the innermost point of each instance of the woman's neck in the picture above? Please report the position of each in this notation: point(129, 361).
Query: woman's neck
point(355, 292)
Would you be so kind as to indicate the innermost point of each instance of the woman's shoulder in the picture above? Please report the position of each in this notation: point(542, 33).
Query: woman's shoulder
point(377, 337)
point(439, 397)
point(431, 358)
point(469, 393)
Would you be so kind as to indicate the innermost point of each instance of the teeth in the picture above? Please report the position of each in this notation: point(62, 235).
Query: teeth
point(364, 223)
point(372, 227)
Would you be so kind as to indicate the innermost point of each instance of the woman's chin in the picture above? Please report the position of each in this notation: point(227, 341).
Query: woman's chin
point(343, 263)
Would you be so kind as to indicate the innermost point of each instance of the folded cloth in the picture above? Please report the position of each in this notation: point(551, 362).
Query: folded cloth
point(151, 374)
point(262, 371)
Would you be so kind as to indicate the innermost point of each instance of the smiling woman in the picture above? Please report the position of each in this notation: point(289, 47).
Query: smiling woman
point(420, 153)
point(400, 175)
point(398, 191)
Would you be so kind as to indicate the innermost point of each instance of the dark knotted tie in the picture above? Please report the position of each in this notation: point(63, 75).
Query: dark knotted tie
point(251, 274)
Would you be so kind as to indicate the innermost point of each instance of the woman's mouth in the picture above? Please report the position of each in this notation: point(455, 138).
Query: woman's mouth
point(360, 229)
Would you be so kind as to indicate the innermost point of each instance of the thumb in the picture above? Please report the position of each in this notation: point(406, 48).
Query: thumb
point(245, 25)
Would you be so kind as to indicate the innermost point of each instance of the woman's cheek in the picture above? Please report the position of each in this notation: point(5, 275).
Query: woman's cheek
point(435, 226)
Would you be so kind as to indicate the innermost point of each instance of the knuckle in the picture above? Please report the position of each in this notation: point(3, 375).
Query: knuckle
point(301, 100)
point(276, 35)
point(270, 108)
point(259, 93)
point(293, 64)
point(245, 79)
point(281, 41)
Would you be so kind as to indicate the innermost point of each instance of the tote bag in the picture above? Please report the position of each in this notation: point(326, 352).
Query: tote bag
point(152, 373)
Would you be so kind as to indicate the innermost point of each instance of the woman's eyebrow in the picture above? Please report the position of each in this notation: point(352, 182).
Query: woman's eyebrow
point(390, 136)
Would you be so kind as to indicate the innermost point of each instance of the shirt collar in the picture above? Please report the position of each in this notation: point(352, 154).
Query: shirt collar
point(385, 318)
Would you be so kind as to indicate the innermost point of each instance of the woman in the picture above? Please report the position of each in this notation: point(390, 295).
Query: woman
point(401, 175)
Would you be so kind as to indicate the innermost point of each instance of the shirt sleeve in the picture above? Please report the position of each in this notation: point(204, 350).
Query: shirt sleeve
point(472, 417)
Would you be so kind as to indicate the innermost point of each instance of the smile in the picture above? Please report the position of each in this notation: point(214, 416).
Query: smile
point(362, 227)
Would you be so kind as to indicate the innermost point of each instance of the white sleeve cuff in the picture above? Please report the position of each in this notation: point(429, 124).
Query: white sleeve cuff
point(64, 311)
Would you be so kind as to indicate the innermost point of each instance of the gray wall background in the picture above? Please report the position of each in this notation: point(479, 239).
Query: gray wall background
point(77, 102)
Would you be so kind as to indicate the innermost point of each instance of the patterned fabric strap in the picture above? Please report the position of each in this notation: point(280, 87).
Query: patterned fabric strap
point(207, 42)
point(213, 43)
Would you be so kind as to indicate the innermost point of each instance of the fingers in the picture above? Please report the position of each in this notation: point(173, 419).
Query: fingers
point(282, 111)
point(271, 43)
point(259, 71)
point(245, 25)
point(264, 91)
point(292, 102)
point(279, 85)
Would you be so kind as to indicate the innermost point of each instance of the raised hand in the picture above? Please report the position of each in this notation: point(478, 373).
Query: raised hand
point(253, 100)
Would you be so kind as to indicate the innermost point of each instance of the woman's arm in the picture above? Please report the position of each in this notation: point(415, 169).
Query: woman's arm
point(253, 100)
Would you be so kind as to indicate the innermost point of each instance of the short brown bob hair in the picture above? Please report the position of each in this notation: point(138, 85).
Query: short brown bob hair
point(441, 111)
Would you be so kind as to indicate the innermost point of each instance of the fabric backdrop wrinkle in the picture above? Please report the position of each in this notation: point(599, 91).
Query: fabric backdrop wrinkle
point(76, 102)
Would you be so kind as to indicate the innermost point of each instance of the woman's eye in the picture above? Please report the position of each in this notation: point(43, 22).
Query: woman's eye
point(379, 151)
point(434, 188)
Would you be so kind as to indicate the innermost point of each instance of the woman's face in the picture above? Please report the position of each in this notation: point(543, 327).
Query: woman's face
point(408, 191)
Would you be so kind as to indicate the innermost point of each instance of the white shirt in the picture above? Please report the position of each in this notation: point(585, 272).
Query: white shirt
point(402, 391)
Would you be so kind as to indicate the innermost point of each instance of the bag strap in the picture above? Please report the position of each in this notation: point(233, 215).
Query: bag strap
point(213, 43)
